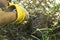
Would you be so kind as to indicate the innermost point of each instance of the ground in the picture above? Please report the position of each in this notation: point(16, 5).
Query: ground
point(44, 22)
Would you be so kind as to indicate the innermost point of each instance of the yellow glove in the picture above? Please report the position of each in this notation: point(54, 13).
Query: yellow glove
point(21, 13)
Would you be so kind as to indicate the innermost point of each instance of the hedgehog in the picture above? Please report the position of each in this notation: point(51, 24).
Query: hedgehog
point(42, 15)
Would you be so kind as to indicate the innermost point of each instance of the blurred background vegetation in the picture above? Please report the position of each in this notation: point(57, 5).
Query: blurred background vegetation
point(44, 22)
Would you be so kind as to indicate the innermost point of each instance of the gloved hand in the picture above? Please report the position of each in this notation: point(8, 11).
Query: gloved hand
point(22, 14)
